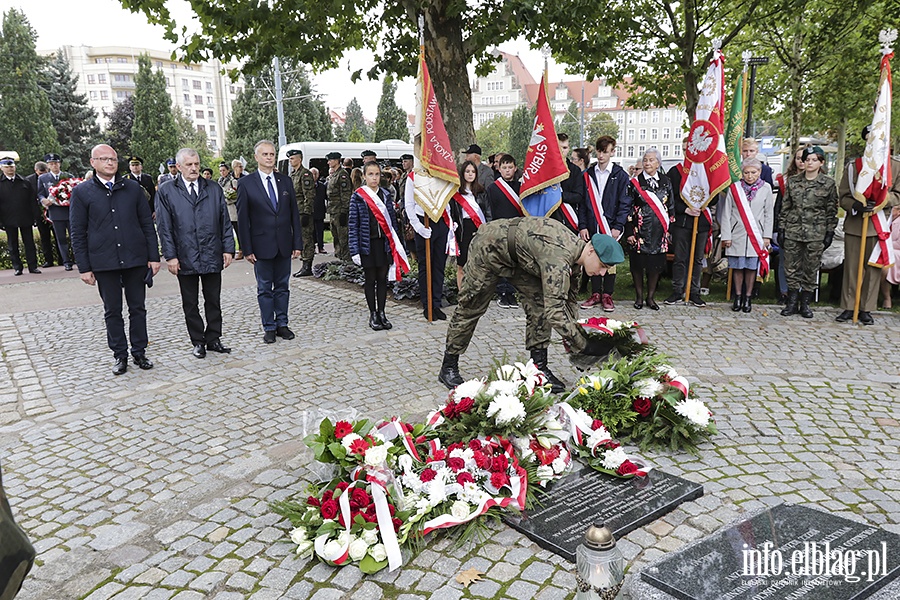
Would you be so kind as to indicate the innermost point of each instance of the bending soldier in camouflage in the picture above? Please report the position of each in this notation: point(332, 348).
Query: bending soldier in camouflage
point(339, 192)
point(305, 189)
point(537, 255)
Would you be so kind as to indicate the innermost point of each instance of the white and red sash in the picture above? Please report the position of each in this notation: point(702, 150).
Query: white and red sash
point(571, 217)
point(471, 208)
point(399, 263)
point(751, 226)
point(511, 195)
point(883, 252)
point(653, 201)
point(596, 200)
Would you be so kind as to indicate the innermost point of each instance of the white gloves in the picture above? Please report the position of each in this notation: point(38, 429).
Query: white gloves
point(425, 232)
point(356, 260)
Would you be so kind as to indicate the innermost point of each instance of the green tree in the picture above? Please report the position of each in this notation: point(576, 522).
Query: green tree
point(354, 120)
point(570, 124)
point(600, 124)
point(493, 135)
point(254, 115)
point(119, 125)
point(356, 135)
point(26, 125)
point(153, 135)
point(390, 122)
point(190, 137)
point(521, 124)
point(76, 122)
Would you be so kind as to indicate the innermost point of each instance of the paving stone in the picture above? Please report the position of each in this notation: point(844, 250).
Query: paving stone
point(209, 580)
point(521, 589)
point(539, 572)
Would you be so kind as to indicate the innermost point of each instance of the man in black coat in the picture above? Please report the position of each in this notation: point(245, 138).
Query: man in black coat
point(59, 215)
point(18, 213)
point(136, 173)
point(269, 231)
point(198, 243)
point(45, 230)
point(116, 248)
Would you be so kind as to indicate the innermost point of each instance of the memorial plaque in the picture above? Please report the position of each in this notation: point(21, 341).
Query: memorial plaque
point(576, 502)
point(785, 553)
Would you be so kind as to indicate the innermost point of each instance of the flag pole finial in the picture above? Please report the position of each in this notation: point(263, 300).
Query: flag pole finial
point(717, 43)
point(887, 37)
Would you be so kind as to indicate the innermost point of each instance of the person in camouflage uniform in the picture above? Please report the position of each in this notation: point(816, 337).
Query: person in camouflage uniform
point(339, 191)
point(809, 216)
point(305, 189)
point(537, 255)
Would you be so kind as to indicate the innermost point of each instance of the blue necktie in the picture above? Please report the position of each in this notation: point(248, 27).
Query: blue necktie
point(109, 184)
point(272, 195)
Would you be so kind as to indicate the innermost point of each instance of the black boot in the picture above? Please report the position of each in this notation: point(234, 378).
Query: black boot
point(306, 270)
point(385, 324)
point(805, 310)
point(449, 374)
point(736, 305)
point(375, 321)
point(790, 308)
point(746, 304)
point(539, 356)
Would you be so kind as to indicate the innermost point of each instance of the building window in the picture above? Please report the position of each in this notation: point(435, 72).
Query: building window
point(211, 116)
point(654, 134)
point(185, 84)
point(631, 135)
point(677, 149)
point(642, 118)
point(198, 99)
point(641, 150)
point(666, 133)
point(631, 118)
point(230, 89)
point(620, 119)
point(665, 150)
point(198, 114)
point(209, 86)
point(92, 79)
point(109, 60)
point(486, 100)
point(630, 151)
point(667, 115)
point(187, 113)
point(209, 101)
point(121, 95)
point(168, 82)
point(121, 60)
point(643, 134)
point(101, 77)
point(187, 99)
point(159, 64)
point(99, 61)
point(212, 130)
point(201, 128)
point(654, 117)
point(104, 95)
point(197, 84)
point(93, 95)
point(121, 78)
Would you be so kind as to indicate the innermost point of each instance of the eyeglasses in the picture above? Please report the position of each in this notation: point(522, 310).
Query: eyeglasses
point(106, 159)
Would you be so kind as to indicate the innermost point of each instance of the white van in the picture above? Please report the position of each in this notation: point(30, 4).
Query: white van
point(388, 151)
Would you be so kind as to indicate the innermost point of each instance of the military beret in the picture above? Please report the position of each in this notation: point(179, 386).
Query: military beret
point(294, 152)
point(607, 248)
point(473, 149)
point(52, 158)
point(171, 162)
point(366, 153)
point(333, 156)
point(135, 159)
point(406, 157)
point(812, 150)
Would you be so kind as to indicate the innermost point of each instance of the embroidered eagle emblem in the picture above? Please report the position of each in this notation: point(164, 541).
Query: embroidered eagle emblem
point(700, 140)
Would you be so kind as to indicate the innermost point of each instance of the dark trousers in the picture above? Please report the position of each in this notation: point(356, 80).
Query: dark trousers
point(603, 284)
point(320, 233)
point(234, 228)
point(44, 229)
point(438, 242)
point(111, 284)
point(273, 277)
point(62, 231)
point(212, 307)
point(12, 242)
point(681, 247)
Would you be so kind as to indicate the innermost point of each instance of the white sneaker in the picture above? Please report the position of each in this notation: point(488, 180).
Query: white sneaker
point(704, 291)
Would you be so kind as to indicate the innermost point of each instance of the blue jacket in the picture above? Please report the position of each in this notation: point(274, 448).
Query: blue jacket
point(111, 230)
point(616, 202)
point(197, 233)
point(358, 223)
point(263, 231)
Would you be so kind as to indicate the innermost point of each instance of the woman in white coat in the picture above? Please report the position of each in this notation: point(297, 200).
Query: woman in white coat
point(742, 257)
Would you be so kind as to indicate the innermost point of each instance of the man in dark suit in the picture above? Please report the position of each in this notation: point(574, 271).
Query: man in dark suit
point(269, 230)
point(116, 248)
point(59, 215)
point(18, 211)
point(136, 173)
point(45, 231)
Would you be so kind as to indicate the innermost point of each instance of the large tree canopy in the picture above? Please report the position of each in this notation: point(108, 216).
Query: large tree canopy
point(153, 134)
point(75, 121)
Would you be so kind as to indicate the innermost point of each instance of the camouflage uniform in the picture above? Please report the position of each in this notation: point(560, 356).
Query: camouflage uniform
point(541, 271)
point(339, 191)
point(808, 215)
point(305, 189)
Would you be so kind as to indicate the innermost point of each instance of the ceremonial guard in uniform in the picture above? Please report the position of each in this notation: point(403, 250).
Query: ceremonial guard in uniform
point(58, 215)
point(339, 191)
point(136, 173)
point(305, 189)
point(809, 216)
point(18, 213)
point(537, 255)
point(170, 176)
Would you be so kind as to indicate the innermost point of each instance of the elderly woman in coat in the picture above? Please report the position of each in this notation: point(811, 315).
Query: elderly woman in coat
point(647, 227)
point(742, 257)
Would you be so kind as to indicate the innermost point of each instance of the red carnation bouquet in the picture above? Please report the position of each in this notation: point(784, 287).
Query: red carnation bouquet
point(622, 338)
point(61, 193)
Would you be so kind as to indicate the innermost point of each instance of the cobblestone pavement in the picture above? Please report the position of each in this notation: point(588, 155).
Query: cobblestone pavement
point(156, 484)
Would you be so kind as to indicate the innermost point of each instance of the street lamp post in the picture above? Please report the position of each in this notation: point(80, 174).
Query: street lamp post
point(753, 62)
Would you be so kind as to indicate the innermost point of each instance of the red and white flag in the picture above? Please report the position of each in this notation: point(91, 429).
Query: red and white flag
point(705, 154)
point(544, 165)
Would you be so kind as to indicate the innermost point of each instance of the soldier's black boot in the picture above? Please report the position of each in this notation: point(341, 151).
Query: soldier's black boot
point(449, 374)
point(736, 305)
point(746, 305)
point(805, 310)
point(306, 270)
point(790, 308)
point(539, 356)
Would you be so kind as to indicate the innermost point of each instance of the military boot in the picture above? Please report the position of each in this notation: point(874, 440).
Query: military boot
point(790, 308)
point(305, 270)
point(449, 374)
point(805, 310)
point(539, 356)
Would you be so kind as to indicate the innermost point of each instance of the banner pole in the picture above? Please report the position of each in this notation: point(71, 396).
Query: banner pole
point(690, 273)
point(728, 285)
point(862, 265)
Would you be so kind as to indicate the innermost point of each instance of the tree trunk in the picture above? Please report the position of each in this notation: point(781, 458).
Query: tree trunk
point(796, 92)
point(688, 43)
point(447, 61)
point(839, 170)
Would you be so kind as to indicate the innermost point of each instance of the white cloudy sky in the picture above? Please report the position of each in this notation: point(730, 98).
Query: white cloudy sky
point(82, 24)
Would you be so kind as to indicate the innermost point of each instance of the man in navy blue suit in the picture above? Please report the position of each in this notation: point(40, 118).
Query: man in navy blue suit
point(269, 230)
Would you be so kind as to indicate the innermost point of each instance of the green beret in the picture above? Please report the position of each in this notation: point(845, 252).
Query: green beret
point(607, 248)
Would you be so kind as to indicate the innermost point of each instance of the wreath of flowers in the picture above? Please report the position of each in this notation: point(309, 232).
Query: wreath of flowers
point(61, 193)
point(622, 338)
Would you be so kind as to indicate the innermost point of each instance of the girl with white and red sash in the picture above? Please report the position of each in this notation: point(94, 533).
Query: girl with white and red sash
point(647, 227)
point(470, 211)
point(737, 229)
point(374, 243)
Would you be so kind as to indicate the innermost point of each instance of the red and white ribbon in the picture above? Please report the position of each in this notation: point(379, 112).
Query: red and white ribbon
point(511, 195)
point(393, 429)
point(883, 252)
point(681, 384)
point(399, 262)
point(653, 201)
point(751, 226)
point(596, 199)
point(471, 208)
point(569, 214)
